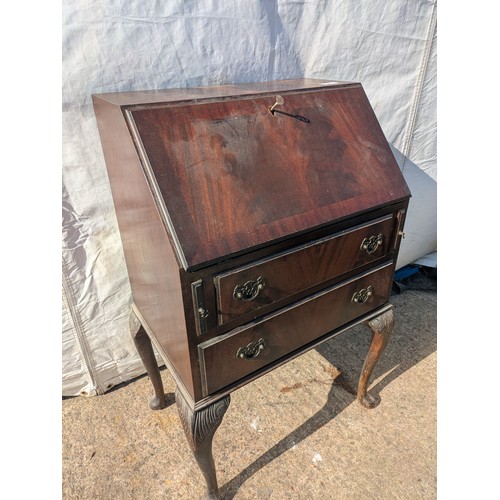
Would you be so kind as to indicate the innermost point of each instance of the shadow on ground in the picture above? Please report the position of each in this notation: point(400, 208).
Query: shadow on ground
point(347, 353)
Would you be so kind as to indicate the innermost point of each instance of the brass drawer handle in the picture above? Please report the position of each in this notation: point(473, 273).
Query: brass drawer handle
point(362, 296)
point(372, 243)
point(251, 351)
point(249, 290)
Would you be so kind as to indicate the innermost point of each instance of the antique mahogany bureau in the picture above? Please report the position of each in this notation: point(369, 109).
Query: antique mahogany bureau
point(257, 221)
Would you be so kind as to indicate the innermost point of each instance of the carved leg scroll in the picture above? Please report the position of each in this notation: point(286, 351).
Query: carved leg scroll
point(200, 427)
point(145, 349)
point(381, 328)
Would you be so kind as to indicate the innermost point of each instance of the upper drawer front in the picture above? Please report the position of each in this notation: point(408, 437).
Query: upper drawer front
point(264, 282)
point(224, 360)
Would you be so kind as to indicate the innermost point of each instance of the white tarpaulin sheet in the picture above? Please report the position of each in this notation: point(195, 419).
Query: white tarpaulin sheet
point(387, 45)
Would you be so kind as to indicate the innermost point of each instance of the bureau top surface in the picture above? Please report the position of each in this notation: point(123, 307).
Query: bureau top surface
point(229, 175)
point(138, 97)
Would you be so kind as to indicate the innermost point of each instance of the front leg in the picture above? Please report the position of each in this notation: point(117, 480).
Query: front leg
point(381, 327)
point(199, 427)
point(145, 349)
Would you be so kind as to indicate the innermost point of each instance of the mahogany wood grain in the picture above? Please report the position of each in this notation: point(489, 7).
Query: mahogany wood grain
point(290, 329)
point(234, 177)
point(299, 269)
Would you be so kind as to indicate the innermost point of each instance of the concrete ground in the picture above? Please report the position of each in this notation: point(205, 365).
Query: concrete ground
point(297, 432)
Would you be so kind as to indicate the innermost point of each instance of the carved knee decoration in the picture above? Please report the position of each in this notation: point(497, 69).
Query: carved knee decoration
point(199, 427)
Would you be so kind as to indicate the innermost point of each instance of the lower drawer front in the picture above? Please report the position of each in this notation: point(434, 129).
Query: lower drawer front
point(228, 358)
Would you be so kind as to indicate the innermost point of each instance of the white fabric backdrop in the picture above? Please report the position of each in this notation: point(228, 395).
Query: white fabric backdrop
point(387, 45)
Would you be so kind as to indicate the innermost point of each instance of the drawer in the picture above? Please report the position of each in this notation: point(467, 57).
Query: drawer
point(270, 280)
point(230, 357)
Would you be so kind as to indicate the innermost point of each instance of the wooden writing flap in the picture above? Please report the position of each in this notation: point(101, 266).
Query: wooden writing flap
point(234, 176)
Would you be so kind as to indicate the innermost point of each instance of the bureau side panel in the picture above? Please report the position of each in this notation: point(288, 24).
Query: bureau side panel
point(151, 263)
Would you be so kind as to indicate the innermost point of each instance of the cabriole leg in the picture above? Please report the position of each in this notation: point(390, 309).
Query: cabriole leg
point(145, 349)
point(381, 327)
point(200, 427)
